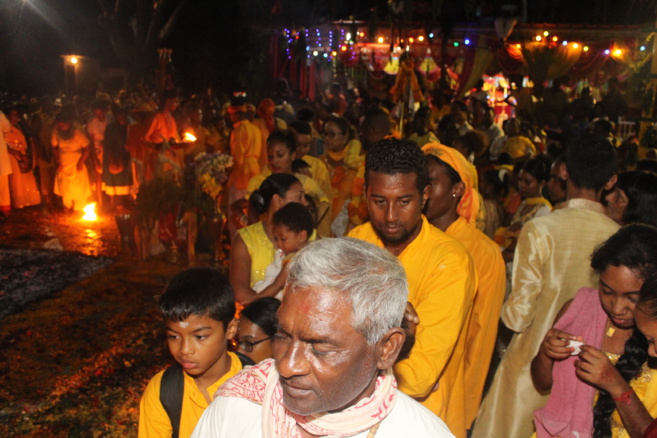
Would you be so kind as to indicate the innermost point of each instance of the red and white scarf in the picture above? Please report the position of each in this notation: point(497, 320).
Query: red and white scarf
point(261, 384)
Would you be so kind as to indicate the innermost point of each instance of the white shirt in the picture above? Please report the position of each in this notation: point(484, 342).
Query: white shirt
point(232, 417)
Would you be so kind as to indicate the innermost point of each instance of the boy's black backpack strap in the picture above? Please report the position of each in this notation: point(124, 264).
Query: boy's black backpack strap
point(171, 395)
point(172, 388)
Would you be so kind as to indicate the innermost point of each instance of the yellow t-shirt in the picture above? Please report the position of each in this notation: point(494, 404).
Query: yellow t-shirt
point(319, 173)
point(153, 419)
point(442, 283)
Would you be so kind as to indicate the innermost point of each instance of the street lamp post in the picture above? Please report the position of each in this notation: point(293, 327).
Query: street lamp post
point(71, 63)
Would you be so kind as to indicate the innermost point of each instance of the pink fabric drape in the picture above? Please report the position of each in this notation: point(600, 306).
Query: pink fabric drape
point(473, 68)
point(589, 62)
point(510, 60)
point(312, 77)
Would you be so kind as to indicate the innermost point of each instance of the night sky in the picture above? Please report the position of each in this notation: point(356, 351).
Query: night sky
point(213, 41)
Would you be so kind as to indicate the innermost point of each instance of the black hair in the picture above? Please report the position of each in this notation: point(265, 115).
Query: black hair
point(295, 217)
point(601, 126)
point(647, 166)
point(311, 206)
point(647, 301)
point(449, 136)
point(377, 119)
point(64, 117)
point(262, 312)
point(301, 127)
point(298, 165)
point(276, 184)
point(453, 175)
point(423, 115)
point(629, 366)
point(536, 168)
point(590, 161)
point(561, 159)
point(342, 123)
point(641, 191)
point(635, 247)
point(446, 123)
point(284, 136)
point(472, 141)
point(505, 158)
point(392, 156)
point(201, 292)
point(166, 95)
point(498, 182)
point(100, 104)
point(306, 115)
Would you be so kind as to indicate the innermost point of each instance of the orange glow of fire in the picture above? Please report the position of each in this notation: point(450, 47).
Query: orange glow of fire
point(188, 136)
point(89, 212)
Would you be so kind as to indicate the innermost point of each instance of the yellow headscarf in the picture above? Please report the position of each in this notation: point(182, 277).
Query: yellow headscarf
point(468, 207)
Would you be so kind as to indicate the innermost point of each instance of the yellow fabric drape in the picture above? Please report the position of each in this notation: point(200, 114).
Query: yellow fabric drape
point(482, 60)
point(546, 63)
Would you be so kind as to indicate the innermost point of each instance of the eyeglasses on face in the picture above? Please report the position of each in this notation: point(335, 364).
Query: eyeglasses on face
point(331, 134)
point(246, 345)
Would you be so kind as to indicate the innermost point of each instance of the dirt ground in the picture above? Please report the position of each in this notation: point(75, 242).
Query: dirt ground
point(74, 364)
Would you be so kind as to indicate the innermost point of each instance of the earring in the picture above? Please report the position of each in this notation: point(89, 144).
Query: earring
point(453, 195)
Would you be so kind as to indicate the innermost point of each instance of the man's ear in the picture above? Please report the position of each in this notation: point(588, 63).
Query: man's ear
point(231, 330)
point(389, 346)
point(612, 182)
point(563, 172)
point(425, 195)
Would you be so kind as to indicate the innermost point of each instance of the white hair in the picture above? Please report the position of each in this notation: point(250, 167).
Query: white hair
point(371, 278)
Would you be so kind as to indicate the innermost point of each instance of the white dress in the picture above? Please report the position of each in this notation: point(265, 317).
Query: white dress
point(271, 272)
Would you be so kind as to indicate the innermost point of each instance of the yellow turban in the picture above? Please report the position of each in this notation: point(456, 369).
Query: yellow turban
point(468, 207)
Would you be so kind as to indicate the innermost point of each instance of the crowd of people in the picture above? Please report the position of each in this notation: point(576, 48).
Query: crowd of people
point(541, 229)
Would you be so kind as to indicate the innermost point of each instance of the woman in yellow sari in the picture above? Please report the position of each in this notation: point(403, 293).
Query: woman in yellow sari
point(342, 158)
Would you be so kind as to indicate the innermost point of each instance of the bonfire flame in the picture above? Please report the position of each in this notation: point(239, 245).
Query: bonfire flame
point(189, 137)
point(89, 212)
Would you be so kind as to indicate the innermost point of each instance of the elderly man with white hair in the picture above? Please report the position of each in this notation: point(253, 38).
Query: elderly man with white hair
point(338, 337)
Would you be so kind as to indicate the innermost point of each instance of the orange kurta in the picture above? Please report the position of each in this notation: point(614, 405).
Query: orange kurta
point(246, 148)
point(24, 191)
point(264, 133)
point(482, 327)
point(442, 283)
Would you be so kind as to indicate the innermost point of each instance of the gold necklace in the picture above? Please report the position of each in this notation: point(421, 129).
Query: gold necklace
point(373, 430)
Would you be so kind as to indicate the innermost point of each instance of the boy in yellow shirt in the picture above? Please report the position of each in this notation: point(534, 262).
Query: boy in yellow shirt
point(198, 307)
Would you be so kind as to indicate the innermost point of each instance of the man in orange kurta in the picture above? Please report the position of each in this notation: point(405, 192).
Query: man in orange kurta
point(246, 148)
point(441, 276)
point(452, 207)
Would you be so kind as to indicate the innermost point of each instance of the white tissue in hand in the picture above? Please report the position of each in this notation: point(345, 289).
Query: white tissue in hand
point(576, 345)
